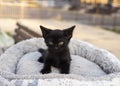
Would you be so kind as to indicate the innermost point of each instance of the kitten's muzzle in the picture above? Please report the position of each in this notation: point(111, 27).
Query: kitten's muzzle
point(56, 48)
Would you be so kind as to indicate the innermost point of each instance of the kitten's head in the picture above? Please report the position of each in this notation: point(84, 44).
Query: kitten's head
point(57, 40)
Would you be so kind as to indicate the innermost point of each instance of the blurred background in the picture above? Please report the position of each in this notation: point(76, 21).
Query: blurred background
point(97, 21)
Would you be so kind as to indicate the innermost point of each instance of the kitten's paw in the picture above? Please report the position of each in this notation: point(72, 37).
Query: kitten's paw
point(41, 60)
point(41, 50)
point(45, 71)
point(64, 72)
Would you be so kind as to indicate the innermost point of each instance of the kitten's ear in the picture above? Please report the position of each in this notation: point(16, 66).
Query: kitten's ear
point(68, 32)
point(45, 31)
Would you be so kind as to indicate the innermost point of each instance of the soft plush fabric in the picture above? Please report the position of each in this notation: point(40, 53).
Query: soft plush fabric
point(28, 64)
point(19, 58)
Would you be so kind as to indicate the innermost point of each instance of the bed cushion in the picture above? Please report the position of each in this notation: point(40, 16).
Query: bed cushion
point(13, 66)
point(28, 64)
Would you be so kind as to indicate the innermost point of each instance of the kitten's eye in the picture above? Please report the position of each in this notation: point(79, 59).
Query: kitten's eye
point(60, 43)
point(50, 43)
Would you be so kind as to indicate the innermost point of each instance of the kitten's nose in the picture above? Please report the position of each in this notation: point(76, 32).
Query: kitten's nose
point(56, 48)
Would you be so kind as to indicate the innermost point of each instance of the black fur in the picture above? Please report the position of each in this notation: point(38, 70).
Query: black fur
point(42, 51)
point(57, 54)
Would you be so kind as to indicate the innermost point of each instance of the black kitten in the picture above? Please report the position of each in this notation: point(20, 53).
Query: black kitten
point(57, 54)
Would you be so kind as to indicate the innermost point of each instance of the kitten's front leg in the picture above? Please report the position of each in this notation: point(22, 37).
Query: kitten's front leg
point(65, 68)
point(41, 59)
point(46, 68)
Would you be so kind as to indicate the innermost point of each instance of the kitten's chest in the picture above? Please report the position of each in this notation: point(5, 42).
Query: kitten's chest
point(56, 60)
point(58, 57)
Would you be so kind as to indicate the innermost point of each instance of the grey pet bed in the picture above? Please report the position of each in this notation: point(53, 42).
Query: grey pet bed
point(90, 66)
